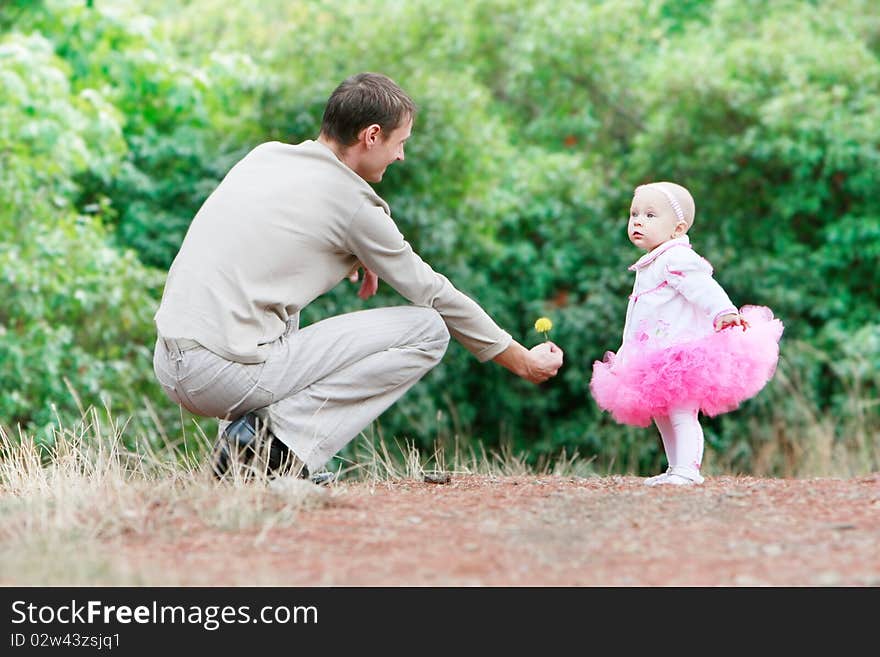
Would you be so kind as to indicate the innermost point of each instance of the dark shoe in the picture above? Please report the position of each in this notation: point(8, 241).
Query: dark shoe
point(248, 447)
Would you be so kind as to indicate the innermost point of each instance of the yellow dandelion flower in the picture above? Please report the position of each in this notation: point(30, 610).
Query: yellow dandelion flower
point(543, 325)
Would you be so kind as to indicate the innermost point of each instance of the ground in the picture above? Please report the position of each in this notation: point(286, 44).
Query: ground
point(539, 531)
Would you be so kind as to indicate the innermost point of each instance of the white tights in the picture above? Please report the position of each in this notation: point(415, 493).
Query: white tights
point(682, 437)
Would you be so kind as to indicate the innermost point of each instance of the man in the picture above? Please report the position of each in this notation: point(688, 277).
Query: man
point(286, 224)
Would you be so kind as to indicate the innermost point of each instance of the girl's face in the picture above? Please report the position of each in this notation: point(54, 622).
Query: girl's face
point(652, 220)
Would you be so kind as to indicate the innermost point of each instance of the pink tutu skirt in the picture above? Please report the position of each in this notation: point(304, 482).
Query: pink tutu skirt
point(715, 372)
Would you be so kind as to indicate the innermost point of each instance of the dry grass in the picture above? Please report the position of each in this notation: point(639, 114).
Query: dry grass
point(67, 508)
point(62, 506)
point(801, 441)
point(378, 460)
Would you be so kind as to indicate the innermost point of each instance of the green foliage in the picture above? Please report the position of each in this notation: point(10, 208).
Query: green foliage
point(536, 121)
point(75, 310)
point(184, 123)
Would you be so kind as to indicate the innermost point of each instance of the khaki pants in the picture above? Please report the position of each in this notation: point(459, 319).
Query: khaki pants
point(320, 386)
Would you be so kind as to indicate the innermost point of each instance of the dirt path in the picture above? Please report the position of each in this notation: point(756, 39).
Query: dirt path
point(544, 531)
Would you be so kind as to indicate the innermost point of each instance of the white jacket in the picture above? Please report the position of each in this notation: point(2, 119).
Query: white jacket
point(674, 298)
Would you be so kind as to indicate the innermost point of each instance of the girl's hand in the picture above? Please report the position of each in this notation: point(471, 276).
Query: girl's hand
point(730, 319)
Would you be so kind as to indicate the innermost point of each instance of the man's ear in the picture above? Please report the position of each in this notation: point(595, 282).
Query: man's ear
point(371, 135)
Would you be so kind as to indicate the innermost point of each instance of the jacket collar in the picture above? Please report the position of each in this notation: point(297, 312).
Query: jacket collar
point(650, 256)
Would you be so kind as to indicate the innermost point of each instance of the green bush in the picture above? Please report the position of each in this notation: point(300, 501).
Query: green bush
point(76, 312)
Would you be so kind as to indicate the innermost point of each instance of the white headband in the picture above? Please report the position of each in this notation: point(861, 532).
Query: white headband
point(676, 207)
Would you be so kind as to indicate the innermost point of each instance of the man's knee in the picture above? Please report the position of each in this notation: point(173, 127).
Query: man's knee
point(436, 332)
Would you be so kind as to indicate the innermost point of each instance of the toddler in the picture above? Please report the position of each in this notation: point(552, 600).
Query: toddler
point(686, 348)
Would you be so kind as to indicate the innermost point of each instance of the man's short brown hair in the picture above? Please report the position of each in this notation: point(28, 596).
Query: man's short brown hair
point(362, 100)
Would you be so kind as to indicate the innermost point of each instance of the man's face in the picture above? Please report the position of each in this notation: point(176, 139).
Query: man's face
point(652, 220)
point(387, 149)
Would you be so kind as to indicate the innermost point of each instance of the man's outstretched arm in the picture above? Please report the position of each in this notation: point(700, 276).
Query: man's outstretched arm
point(536, 364)
point(375, 240)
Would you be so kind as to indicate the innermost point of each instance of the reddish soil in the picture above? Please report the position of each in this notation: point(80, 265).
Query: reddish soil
point(544, 531)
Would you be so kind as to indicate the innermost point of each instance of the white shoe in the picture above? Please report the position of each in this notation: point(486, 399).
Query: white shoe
point(653, 481)
point(677, 475)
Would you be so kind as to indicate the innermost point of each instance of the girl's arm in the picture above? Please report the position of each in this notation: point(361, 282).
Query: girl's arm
point(691, 276)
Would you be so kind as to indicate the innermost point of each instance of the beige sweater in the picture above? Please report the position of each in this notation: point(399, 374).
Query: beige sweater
point(285, 225)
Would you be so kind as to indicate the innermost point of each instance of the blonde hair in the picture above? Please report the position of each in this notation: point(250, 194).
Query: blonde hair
point(680, 200)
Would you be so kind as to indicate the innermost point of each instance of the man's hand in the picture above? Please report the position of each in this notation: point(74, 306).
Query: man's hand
point(543, 362)
point(731, 319)
point(536, 364)
point(370, 284)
